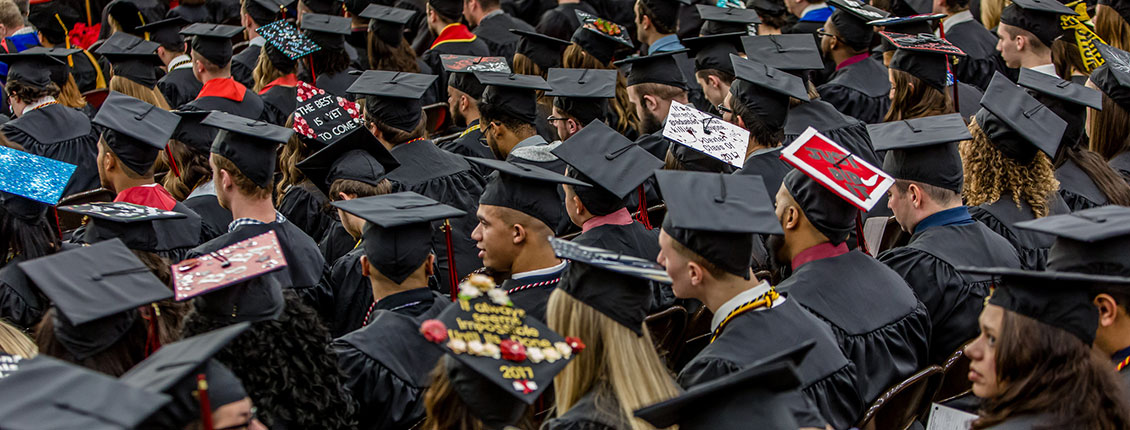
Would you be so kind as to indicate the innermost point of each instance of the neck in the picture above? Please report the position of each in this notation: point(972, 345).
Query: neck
point(754, 146)
point(841, 55)
point(539, 257)
point(383, 287)
point(123, 183)
point(653, 36)
point(483, 14)
point(247, 207)
point(471, 115)
point(45, 43)
point(951, 12)
point(1034, 60)
point(719, 292)
point(797, 242)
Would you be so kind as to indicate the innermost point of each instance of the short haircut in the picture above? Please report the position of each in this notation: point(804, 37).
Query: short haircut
point(242, 183)
point(762, 132)
point(663, 91)
point(357, 188)
point(209, 66)
point(598, 201)
point(10, 14)
point(660, 26)
point(722, 75)
point(490, 4)
point(687, 253)
point(937, 194)
point(130, 173)
point(446, 18)
point(491, 112)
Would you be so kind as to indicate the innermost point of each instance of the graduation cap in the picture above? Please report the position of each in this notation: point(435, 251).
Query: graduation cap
point(288, 40)
point(706, 142)
point(448, 8)
point(357, 156)
point(173, 370)
point(249, 144)
point(166, 32)
point(600, 37)
point(720, 20)
point(192, 133)
point(716, 215)
point(616, 285)
point(133, 58)
point(264, 12)
point(461, 70)
point(713, 51)
point(229, 284)
point(923, 149)
point(61, 70)
point(212, 41)
point(393, 97)
point(135, 130)
point(128, 15)
point(96, 290)
point(525, 188)
point(387, 22)
point(33, 177)
point(1017, 124)
point(51, 393)
point(1090, 244)
point(545, 51)
point(1040, 17)
point(1112, 78)
point(664, 12)
point(914, 24)
point(789, 52)
point(764, 90)
point(512, 93)
point(32, 68)
point(599, 155)
point(1058, 300)
point(328, 31)
point(582, 93)
point(771, 7)
point(141, 228)
point(923, 56)
point(658, 68)
point(52, 18)
point(1067, 99)
point(321, 118)
point(398, 236)
point(851, 18)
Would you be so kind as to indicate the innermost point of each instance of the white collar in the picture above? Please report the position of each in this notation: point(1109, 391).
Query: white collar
point(257, 41)
point(180, 62)
point(205, 189)
point(539, 272)
point(498, 11)
point(37, 105)
point(955, 19)
point(738, 300)
point(1047, 69)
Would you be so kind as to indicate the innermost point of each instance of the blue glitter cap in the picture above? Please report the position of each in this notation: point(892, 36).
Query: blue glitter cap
point(31, 176)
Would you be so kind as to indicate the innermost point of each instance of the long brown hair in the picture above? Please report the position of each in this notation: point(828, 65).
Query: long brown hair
point(70, 96)
point(133, 89)
point(170, 313)
point(114, 360)
point(194, 170)
point(1110, 129)
point(446, 411)
point(914, 98)
point(1045, 371)
point(265, 71)
point(1110, 26)
point(989, 174)
point(1109, 182)
point(1067, 60)
point(383, 56)
point(292, 153)
point(576, 58)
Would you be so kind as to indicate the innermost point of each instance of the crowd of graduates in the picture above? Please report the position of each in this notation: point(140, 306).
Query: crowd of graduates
point(570, 215)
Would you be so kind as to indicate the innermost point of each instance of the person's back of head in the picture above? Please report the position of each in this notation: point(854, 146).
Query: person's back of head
point(990, 174)
point(11, 18)
point(1112, 25)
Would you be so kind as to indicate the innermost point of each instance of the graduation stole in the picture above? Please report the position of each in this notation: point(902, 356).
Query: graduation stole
point(1083, 36)
point(763, 301)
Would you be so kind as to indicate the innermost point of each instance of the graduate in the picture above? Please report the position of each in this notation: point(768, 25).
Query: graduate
point(926, 200)
point(580, 97)
point(1108, 127)
point(596, 44)
point(1027, 30)
point(491, 24)
point(654, 82)
point(199, 190)
point(509, 108)
point(69, 94)
point(960, 28)
point(463, 94)
point(253, 15)
point(451, 37)
point(726, 20)
point(136, 67)
point(327, 68)
point(712, 67)
point(211, 63)
point(179, 85)
point(388, 49)
point(857, 88)
point(277, 83)
point(919, 74)
point(758, 101)
point(90, 73)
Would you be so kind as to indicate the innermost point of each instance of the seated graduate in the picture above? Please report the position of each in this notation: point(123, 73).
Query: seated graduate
point(918, 75)
point(49, 18)
point(712, 67)
point(537, 54)
point(707, 247)
point(879, 323)
point(858, 87)
point(1027, 31)
point(509, 110)
point(62, 75)
point(179, 85)
point(655, 81)
point(211, 52)
point(515, 213)
point(485, 379)
point(463, 93)
point(254, 14)
point(448, 36)
point(274, 75)
point(595, 46)
point(135, 67)
point(1008, 170)
point(329, 67)
point(604, 297)
point(926, 200)
point(758, 101)
point(580, 96)
point(190, 150)
point(385, 361)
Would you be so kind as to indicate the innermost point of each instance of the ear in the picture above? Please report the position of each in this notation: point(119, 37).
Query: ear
point(792, 218)
point(713, 81)
point(696, 273)
point(649, 102)
point(741, 122)
point(430, 265)
point(915, 195)
point(519, 233)
point(573, 125)
point(225, 179)
point(1108, 309)
point(343, 196)
point(366, 270)
point(580, 206)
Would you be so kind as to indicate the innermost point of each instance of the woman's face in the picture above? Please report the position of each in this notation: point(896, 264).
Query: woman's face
point(1091, 112)
point(891, 78)
point(982, 353)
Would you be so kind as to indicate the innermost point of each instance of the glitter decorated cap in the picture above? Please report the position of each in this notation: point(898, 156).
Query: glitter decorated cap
point(286, 38)
point(33, 177)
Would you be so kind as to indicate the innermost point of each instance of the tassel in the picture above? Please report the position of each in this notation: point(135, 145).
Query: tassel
point(153, 339)
point(313, 76)
point(205, 403)
point(58, 228)
point(172, 161)
point(451, 260)
point(641, 212)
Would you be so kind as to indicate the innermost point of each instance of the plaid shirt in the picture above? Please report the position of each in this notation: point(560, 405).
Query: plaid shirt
point(240, 222)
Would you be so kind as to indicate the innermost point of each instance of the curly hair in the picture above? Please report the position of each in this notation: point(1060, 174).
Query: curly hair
point(914, 98)
point(293, 152)
point(287, 368)
point(989, 174)
point(627, 120)
point(30, 93)
point(194, 170)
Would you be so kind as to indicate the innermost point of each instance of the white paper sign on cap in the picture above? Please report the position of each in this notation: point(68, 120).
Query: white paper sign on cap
point(706, 133)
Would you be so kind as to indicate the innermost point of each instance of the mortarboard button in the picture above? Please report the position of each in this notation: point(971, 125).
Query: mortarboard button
point(607, 158)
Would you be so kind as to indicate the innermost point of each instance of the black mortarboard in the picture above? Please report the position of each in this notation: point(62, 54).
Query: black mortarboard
point(600, 37)
point(616, 285)
point(133, 58)
point(545, 51)
point(1119, 6)
point(59, 71)
point(264, 12)
point(32, 68)
point(287, 39)
point(764, 90)
point(398, 236)
point(1017, 124)
point(135, 130)
point(716, 215)
point(1059, 300)
point(54, 19)
point(357, 156)
point(525, 188)
point(1040, 17)
point(323, 7)
point(664, 12)
point(47, 393)
point(829, 213)
point(96, 290)
point(448, 8)
point(923, 149)
point(393, 97)
point(582, 93)
point(128, 15)
point(1091, 244)
point(1067, 99)
point(140, 228)
point(787, 52)
point(191, 132)
point(713, 51)
point(608, 160)
point(33, 177)
point(387, 22)
point(720, 20)
point(321, 118)
point(212, 41)
point(914, 24)
point(512, 93)
point(851, 18)
point(229, 285)
point(166, 31)
point(1112, 78)
point(923, 56)
point(173, 369)
point(658, 68)
point(771, 7)
point(328, 31)
point(249, 144)
point(461, 70)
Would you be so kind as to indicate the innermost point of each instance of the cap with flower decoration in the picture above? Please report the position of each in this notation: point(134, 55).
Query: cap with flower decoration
point(461, 71)
point(321, 118)
point(600, 37)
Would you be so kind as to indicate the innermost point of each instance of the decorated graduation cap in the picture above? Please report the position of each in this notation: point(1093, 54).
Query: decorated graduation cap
point(173, 370)
point(851, 18)
point(1112, 78)
point(544, 51)
point(230, 285)
point(387, 23)
point(713, 51)
point(393, 97)
point(615, 165)
point(51, 393)
point(616, 285)
point(764, 90)
point(61, 70)
point(497, 369)
point(357, 156)
point(140, 228)
point(600, 37)
point(716, 215)
point(913, 24)
point(321, 118)
point(264, 12)
point(721, 20)
point(398, 236)
point(133, 58)
point(166, 31)
point(96, 290)
point(582, 93)
point(328, 31)
point(461, 71)
point(1040, 17)
point(658, 68)
point(923, 149)
point(789, 52)
point(287, 40)
point(525, 188)
point(212, 41)
point(135, 131)
point(705, 142)
point(923, 56)
point(33, 177)
point(32, 68)
point(1056, 299)
point(249, 144)
point(1018, 125)
point(1067, 99)
point(512, 93)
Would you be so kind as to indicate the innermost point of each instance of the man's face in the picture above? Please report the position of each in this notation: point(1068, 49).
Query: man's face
point(221, 194)
point(560, 122)
point(495, 239)
point(901, 205)
point(1007, 45)
point(103, 174)
point(453, 98)
point(675, 264)
point(827, 39)
point(649, 121)
point(714, 93)
point(728, 113)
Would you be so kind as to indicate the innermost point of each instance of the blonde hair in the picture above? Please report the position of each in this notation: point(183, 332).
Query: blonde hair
point(15, 342)
point(133, 89)
point(293, 152)
point(989, 173)
point(615, 356)
point(70, 96)
point(991, 12)
point(265, 71)
point(575, 57)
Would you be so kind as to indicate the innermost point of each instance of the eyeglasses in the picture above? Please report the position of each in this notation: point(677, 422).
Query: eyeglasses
point(552, 118)
point(247, 424)
point(723, 109)
point(824, 33)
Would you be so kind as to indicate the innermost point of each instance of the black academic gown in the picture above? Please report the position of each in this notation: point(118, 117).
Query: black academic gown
point(337, 83)
point(1077, 189)
point(243, 63)
point(60, 133)
point(828, 379)
point(203, 201)
point(448, 179)
point(982, 58)
point(631, 239)
point(279, 103)
point(494, 30)
point(86, 74)
point(540, 155)
point(387, 365)
point(598, 409)
point(179, 86)
point(431, 57)
point(532, 292)
point(1121, 164)
point(879, 324)
point(968, 100)
point(336, 242)
point(352, 296)
point(306, 207)
point(655, 144)
point(768, 164)
point(561, 22)
point(1124, 376)
point(1001, 215)
point(22, 304)
point(470, 143)
point(304, 262)
point(859, 90)
point(358, 41)
point(849, 132)
point(953, 299)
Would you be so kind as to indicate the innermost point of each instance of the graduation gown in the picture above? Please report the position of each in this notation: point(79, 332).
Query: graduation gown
point(337, 83)
point(631, 239)
point(306, 207)
point(86, 74)
point(179, 86)
point(768, 164)
point(1124, 375)
point(223, 96)
point(1032, 247)
point(448, 179)
point(243, 63)
point(561, 22)
point(386, 365)
point(470, 143)
point(598, 409)
point(953, 299)
point(849, 132)
point(859, 90)
point(458, 40)
point(351, 296)
point(494, 30)
point(828, 378)
point(60, 133)
point(304, 262)
point(22, 304)
point(982, 58)
point(1077, 189)
point(358, 42)
point(278, 103)
point(203, 201)
point(968, 100)
point(887, 339)
point(337, 242)
point(532, 292)
point(655, 144)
